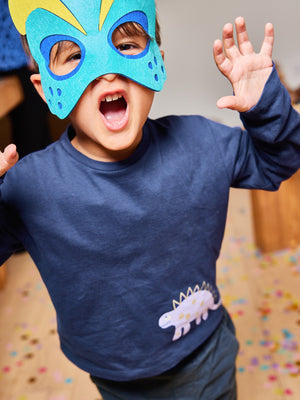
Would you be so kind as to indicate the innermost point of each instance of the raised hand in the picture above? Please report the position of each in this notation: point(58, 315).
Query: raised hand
point(246, 70)
point(8, 158)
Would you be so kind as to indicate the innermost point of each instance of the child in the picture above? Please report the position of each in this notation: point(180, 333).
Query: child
point(124, 216)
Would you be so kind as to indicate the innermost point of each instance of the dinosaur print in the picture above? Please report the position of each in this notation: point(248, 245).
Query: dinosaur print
point(193, 306)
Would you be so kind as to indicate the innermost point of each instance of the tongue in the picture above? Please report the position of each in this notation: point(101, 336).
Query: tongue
point(113, 110)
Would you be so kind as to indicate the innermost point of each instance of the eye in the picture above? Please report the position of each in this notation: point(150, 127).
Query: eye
point(130, 39)
point(75, 57)
point(129, 48)
point(65, 56)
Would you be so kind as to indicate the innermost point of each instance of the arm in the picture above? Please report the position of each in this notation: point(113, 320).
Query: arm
point(268, 151)
point(8, 158)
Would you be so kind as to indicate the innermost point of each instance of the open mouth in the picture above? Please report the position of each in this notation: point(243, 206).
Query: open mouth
point(114, 110)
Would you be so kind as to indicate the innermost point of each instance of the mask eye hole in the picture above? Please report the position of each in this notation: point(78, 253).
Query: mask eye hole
point(129, 35)
point(130, 39)
point(63, 56)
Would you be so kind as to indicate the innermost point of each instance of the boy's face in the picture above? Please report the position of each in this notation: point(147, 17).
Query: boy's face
point(109, 116)
point(90, 26)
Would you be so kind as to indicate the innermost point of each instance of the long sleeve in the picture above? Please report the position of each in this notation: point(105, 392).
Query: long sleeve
point(268, 150)
point(8, 241)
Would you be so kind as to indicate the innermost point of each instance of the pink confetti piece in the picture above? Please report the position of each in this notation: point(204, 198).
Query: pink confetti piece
point(57, 375)
point(288, 392)
point(59, 397)
point(268, 385)
point(42, 370)
point(272, 378)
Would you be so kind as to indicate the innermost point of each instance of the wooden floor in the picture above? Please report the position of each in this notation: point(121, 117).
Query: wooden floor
point(262, 294)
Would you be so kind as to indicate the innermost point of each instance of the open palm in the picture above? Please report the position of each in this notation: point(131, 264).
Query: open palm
point(246, 70)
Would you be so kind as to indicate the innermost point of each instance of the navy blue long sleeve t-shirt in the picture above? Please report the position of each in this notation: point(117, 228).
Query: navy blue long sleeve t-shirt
point(128, 249)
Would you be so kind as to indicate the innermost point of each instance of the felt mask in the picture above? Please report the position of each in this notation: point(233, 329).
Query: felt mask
point(89, 24)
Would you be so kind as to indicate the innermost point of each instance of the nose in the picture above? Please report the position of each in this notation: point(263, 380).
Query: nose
point(107, 77)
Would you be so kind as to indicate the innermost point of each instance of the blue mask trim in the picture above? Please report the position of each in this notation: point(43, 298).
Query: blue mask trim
point(46, 47)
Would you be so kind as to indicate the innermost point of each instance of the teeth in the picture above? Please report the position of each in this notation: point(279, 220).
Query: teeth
point(114, 97)
point(108, 99)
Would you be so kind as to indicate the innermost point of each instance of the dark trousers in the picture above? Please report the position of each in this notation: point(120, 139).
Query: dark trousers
point(207, 374)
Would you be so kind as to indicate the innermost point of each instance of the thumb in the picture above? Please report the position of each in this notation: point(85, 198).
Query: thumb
point(227, 102)
point(8, 158)
point(233, 103)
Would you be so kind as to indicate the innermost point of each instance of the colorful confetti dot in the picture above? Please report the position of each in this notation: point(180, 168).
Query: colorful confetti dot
point(254, 361)
point(272, 378)
point(288, 392)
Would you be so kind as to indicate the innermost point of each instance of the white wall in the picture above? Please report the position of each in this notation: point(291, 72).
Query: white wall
point(189, 29)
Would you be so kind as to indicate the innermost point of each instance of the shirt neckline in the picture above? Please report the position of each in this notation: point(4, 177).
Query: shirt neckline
point(69, 134)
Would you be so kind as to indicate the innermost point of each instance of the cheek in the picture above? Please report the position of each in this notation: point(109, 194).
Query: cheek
point(146, 102)
point(83, 110)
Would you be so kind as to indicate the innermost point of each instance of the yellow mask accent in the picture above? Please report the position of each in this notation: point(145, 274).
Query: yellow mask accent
point(105, 7)
point(20, 14)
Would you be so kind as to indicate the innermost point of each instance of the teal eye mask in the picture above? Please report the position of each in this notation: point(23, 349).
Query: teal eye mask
point(89, 24)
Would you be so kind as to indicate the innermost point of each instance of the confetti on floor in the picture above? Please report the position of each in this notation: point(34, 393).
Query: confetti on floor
point(262, 293)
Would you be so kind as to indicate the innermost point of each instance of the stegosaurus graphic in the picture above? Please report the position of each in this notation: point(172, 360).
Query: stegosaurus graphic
point(192, 306)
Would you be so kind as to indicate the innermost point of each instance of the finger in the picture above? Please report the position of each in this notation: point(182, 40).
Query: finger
point(219, 55)
point(244, 43)
point(222, 62)
point(8, 158)
point(267, 45)
point(230, 47)
point(10, 153)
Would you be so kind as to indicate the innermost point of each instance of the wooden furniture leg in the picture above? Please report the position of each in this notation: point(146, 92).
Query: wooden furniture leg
point(2, 276)
point(276, 216)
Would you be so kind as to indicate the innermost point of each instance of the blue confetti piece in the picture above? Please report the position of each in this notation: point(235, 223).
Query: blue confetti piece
point(287, 333)
point(264, 367)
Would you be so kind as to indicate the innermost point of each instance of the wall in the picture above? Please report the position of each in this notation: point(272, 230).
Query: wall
point(189, 29)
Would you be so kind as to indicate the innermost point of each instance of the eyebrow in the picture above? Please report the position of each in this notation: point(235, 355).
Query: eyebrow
point(132, 29)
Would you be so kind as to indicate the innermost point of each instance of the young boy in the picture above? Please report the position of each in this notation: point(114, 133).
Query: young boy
point(124, 216)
